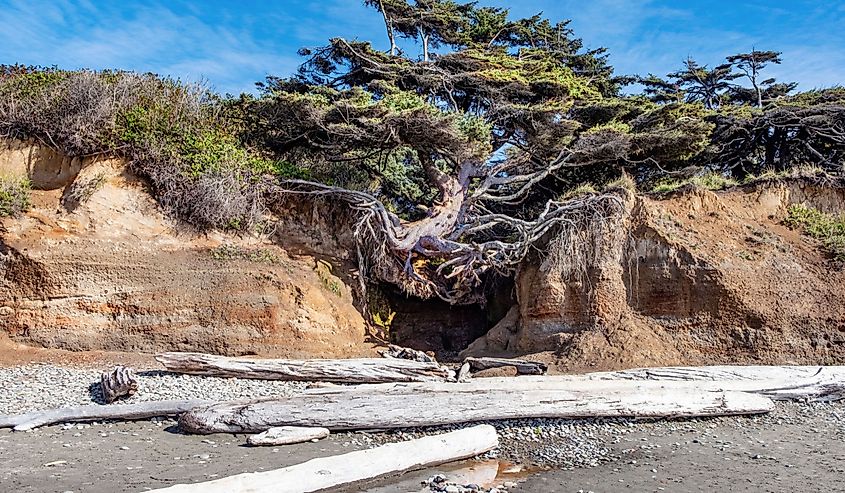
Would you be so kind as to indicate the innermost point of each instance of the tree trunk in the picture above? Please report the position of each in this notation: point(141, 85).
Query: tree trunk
point(328, 472)
point(369, 370)
point(141, 410)
point(412, 405)
point(657, 392)
point(388, 23)
point(424, 37)
point(444, 216)
point(523, 367)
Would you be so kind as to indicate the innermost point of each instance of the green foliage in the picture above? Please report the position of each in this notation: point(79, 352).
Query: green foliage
point(828, 229)
point(14, 195)
point(174, 134)
point(709, 181)
point(624, 182)
point(579, 191)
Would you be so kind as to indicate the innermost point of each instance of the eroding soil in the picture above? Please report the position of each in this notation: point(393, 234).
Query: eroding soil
point(695, 277)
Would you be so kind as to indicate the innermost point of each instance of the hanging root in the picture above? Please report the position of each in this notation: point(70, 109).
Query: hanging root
point(455, 270)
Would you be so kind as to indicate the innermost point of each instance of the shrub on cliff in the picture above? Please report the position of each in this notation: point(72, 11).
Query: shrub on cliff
point(14, 195)
point(172, 133)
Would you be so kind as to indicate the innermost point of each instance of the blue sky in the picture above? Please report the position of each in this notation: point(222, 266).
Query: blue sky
point(233, 44)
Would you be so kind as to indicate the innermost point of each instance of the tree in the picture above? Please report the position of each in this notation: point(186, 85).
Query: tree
point(391, 11)
point(703, 84)
point(751, 64)
point(661, 90)
point(456, 165)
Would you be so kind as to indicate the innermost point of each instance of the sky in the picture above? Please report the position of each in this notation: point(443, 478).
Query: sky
point(232, 44)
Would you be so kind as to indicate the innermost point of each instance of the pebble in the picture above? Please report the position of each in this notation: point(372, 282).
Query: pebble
point(36, 387)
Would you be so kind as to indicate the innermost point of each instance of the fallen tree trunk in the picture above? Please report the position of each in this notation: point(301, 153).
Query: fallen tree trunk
point(327, 472)
point(365, 370)
point(523, 367)
point(812, 383)
point(378, 407)
point(661, 392)
point(141, 410)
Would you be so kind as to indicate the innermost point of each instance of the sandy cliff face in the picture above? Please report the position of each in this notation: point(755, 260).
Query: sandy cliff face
point(695, 278)
point(692, 278)
point(113, 273)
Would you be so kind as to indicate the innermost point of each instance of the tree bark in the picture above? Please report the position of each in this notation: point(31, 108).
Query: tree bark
point(328, 472)
point(369, 370)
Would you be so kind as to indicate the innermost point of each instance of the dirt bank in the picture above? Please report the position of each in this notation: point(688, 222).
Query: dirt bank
point(693, 277)
point(113, 273)
point(696, 277)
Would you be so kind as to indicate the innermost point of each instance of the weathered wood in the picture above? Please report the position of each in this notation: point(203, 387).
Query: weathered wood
point(399, 352)
point(141, 410)
point(117, 383)
point(661, 392)
point(409, 405)
point(523, 367)
point(814, 383)
point(463, 373)
point(365, 370)
point(287, 435)
point(327, 472)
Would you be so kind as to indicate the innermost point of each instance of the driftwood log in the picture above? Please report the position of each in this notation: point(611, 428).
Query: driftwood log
point(117, 383)
point(664, 392)
point(327, 472)
point(523, 367)
point(364, 370)
point(399, 352)
point(378, 407)
point(141, 410)
point(812, 383)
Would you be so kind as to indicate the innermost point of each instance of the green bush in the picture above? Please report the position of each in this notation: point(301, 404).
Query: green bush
point(828, 229)
point(14, 195)
point(172, 133)
point(709, 181)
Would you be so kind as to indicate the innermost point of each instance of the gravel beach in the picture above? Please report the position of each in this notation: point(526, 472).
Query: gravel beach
point(538, 454)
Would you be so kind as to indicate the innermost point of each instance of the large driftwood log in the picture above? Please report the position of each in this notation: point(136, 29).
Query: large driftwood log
point(327, 472)
point(661, 392)
point(379, 407)
point(117, 383)
point(141, 410)
point(523, 367)
point(365, 370)
point(811, 383)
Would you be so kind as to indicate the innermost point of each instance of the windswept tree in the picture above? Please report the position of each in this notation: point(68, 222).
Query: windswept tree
point(751, 65)
point(701, 83)
point(456, 163)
